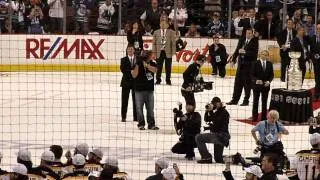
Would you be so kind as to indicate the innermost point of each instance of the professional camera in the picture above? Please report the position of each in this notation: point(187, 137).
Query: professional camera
point(177, 114)
point(235, 159)
point(314, 121)
point(178, 111)
point(200, 85)
point(209, 107)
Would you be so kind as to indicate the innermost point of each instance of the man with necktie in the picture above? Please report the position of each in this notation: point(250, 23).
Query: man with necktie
point(164, 47)
point(261, 76)
point(315, 56)
point(248, 22)
point(284, 39)
point(246, 53)
point(127, 64)
point(301, 44)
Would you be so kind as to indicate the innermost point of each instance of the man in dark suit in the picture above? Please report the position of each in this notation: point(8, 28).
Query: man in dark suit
point(315, 56)
point(246, 53)
point(300, 44)
point(249, 22)
point(127, 64)
point(284, 39)
point(261, 76)
point(267, 27)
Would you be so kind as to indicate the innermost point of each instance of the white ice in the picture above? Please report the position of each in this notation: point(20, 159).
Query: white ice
point(40, 109)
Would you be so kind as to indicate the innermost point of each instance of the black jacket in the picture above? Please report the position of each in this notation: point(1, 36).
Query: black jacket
point(314, 47)
point(126, 67)
point(250, 55)
point(190, 74)
point(262, 28)
point(257, 73)
point(219, 120)
point(282, 37)
point(155, 177)
point(296, 45)
point(269, 176)
point(245, 23)
point(136, 37)
point(221, 51)
point(190, 127)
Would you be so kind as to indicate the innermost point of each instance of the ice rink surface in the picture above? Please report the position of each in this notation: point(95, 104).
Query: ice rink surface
point(39, 109)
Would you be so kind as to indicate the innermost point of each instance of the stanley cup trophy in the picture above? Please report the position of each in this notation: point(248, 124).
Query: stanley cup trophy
point(294, 74)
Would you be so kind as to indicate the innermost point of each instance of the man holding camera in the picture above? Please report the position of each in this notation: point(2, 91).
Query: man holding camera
point(269, 132)
point(218, 119)
point(189, 79)
point(189, 125)
point(143, 74)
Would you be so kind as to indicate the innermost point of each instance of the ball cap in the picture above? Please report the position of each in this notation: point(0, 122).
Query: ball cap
point(111, 161)
point(78, 160)
point(169, 173)
point(97, 152)
point(20, 169)
point(215, 100)
point(315, 139)
point(48, 156)
point(162, 162)
point(24, 155)
point(255, 170)
point(83, 148)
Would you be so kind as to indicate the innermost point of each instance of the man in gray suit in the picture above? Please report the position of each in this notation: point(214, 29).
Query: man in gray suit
point(164, 47)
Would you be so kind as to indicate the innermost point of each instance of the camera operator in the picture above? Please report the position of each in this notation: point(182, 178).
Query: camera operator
point(189, 125)
point(218, 119)
point(269, 132)
point(143, 74)
point(189, 78)
point(314, 124)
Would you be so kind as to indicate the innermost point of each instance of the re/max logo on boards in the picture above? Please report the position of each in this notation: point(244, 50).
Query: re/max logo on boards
point(77, 49)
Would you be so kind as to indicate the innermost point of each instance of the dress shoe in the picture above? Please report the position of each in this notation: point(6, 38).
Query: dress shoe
point(153, 128)
point(141, 128)
point(168, 82)
point(123, 120)
point(135, 120)
point(232, 103)
point(158, 82)
point(245, 104)
point(205, 161)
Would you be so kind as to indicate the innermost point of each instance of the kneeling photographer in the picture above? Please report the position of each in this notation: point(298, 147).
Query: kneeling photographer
point(188, 127)
point(217, 117)
point(191, 83)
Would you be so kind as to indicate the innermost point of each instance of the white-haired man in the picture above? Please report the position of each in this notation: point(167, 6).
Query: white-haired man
point(160, 164)
point(269, 132)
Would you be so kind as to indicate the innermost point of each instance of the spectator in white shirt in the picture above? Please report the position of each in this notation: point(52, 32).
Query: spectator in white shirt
point(106, 11)
point(181, 16)
point(56, 15)
point(238, 30)
point(18, 23)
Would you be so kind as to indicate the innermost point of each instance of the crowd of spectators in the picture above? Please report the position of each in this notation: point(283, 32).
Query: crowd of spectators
point(193, 18)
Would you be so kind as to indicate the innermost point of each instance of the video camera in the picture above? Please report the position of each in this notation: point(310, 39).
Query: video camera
point(177, 114)
point(178, 111)
point(314, 121)
point(200, 85)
